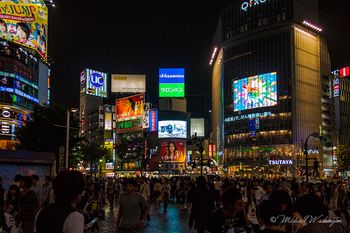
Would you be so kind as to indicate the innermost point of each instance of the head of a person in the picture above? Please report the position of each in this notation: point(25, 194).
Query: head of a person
point(311, 205)
point(232, 201)
point(130, 185)
point(282, 197)
point(0, 181)
point(131, 103)
point(68, 187)
point(171, 147)
point(26, 182)
point(143, 179)
point(13, 191)
point(269, 213)
point(17, 178)
point(35, 179)
point(268, 187)
point(47, 180)
point(201, 183)
point(3, 26)
point(23, 31)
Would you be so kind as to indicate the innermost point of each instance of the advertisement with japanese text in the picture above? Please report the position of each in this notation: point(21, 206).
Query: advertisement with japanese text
point(25, 24)
point(173, 151)
point(131, 106)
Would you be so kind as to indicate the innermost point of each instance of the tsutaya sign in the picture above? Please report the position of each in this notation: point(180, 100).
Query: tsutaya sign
point(281, 162)
point(251, 3)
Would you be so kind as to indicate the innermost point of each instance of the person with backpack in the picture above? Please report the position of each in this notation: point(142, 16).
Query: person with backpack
point(62, 216)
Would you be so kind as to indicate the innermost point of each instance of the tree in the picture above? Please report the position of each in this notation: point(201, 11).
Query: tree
point(46, 130)
point(93, 152)
point(131, 150)
point(343, 157)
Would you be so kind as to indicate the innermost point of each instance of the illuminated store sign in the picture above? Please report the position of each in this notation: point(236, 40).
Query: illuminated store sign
point(153, 120)
point(93, 83)
point(247, 116)
point(129, 125)
point(281, 162)
point(251, 3)
point(336, 86)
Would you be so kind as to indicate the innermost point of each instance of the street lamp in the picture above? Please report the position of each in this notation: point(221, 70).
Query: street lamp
point(67, 133)
point(315, 135)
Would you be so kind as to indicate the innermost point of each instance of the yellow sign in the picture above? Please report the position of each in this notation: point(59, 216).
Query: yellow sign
point(25, 24)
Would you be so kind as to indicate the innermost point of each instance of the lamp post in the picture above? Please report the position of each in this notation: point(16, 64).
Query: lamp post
point(67, 134)
point(316, 135)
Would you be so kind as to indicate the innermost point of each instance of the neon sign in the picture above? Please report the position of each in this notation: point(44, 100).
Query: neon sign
point(247, 116)
point(251, 3)
point(281, 162)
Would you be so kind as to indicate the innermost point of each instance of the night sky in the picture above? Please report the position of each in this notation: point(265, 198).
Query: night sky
point(141, 36)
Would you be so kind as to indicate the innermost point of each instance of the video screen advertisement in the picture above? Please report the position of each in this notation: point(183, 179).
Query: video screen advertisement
point(255, 92)
point(131, 106)
point(25, 24)
point(172, 129)
point(93, 82)
point(173, 151)
point(128, 83)
point(171, 82)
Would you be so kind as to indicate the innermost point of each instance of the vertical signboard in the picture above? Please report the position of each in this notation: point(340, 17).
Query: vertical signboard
point(145, 116)
point(153, 120)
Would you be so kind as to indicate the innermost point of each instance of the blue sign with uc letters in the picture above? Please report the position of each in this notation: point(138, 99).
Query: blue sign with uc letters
point(96, 79)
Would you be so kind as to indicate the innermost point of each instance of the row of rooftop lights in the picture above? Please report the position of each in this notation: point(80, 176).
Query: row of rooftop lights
point(213, 56)
point(312, 26)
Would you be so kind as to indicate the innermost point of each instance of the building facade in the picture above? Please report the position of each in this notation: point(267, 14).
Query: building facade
point(273, 60)
point(24, 71)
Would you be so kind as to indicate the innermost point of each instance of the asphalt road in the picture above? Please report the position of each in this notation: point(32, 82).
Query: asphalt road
point(175, 220)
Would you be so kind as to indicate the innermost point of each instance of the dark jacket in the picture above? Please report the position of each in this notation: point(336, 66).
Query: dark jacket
point(28, 207)
point(202, 207)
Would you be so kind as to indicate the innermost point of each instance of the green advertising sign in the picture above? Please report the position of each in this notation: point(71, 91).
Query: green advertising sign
point(172, 82)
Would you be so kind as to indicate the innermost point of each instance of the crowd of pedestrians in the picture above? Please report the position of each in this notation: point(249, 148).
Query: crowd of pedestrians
point(72, 202)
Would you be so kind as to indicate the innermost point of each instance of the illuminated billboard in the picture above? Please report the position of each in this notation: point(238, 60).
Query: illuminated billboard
point(93, 83)
point(129, 125)
point(131, 106)
point(172, 129)
point(255, 92)
point(153, 120)
point(129, 83)
point(108, 121)
point(172, 151)
point(25, 24)
point(197, 127)
point(171, 82)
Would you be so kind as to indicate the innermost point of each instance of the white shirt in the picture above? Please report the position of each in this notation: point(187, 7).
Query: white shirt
point(74, 223)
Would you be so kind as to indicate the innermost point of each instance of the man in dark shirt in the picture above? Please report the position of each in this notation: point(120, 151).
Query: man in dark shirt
point(271, 215)
point(231, 217)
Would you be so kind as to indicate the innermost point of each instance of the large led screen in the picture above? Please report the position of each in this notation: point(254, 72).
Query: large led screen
point(171, 82)
point(131, 106)
point(172, 129)
point(25, 23)
point(255, 92)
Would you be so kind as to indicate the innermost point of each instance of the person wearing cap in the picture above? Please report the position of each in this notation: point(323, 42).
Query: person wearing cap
point(133, 209)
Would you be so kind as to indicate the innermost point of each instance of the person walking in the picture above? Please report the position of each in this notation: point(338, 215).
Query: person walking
point(202, 206)
point(28, 206)
point(166, 189)
point(133, 209)
point(61, 216)
point(11, 207)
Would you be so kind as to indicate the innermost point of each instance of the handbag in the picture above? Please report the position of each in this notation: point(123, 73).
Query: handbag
point(9, 220)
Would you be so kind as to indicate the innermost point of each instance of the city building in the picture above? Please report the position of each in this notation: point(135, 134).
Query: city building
point(341, 95)
point(271, 64)
point(24, 70)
